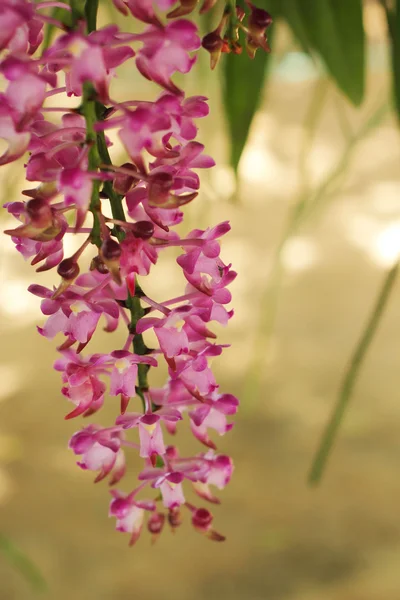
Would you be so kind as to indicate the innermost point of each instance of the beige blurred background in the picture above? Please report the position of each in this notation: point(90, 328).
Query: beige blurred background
point(294, 330)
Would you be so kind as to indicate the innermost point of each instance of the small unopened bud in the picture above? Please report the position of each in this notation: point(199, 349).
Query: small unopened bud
point(68, 269)
point(155, 524)
point(240, 13)
point(202, 519)
point(123, 182)
point(259, 19)
point(110, 253)
point(213, 43)
point(174, 517)
point(97, 264)
point(110, 250)
point(143, 229)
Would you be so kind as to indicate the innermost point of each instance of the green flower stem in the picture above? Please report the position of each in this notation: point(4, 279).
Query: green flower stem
point(91, 8)
point(94, 111)
point(139, 347)
point(88, 110)
point(115, 199)
point(350, 378)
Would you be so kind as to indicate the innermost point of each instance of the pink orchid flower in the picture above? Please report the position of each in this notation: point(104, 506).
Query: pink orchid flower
point(100, 450)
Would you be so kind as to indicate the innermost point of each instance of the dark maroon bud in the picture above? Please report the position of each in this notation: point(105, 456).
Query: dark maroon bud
point(174, 517)
point(123, 182)
point(98, 265)
point(68, 269)
point(155, 523)
point(39, 211)
point(143, 229)
point(212, 42)
point(202, 519)
point(259, 18)
point(240, 13)
point(110, 250)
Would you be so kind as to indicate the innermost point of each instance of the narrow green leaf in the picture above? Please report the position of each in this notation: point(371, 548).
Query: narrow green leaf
point(350, 378)
point(242, 93)
point(393, 20)
point(335, 30)
point(23, 564)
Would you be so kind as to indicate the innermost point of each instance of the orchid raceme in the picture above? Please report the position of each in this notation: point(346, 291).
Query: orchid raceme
point(71, 178)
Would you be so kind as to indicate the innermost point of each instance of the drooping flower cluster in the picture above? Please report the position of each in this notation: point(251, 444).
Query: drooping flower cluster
point(72, 177)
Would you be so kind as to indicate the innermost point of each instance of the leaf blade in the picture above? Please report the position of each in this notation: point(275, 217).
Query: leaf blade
point(243, 85)
point(335, 30)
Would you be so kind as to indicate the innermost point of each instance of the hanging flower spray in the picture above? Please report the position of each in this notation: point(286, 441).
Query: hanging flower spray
point(71, 177)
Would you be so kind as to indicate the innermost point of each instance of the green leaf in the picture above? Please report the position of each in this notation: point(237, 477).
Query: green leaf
point(393, 19)
point(243, 85)
point(23, 564)
point(290, 11)
point(335, 30)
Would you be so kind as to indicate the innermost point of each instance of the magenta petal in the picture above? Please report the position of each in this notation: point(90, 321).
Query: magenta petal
point(128, 420)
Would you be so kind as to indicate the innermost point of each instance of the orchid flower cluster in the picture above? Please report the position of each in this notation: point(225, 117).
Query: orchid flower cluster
point(73, 177)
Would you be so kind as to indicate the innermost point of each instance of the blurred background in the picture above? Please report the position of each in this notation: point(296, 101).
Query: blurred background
point(312, 133)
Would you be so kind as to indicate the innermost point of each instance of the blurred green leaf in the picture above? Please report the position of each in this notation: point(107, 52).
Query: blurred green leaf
point(243, 85)
point(23, 564)
point(335, 30)
point(393, 20)
point(290, 12)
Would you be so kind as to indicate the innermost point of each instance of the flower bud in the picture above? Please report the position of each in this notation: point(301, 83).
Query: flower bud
point(240, 13)
point(123, 182)
point(202, 520)
point(68, 269)
point(259, 19)
point(110, 252)
point(97, 264)
point(213, 43)
point(174, 517)
point(143, 229)
point(155, 524)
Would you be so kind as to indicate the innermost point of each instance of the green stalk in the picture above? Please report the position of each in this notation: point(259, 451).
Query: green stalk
point(91, 8)
point(88, 110)
point(93, 111)
point(350, 378)
point(115, 199)
point(139, 347)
